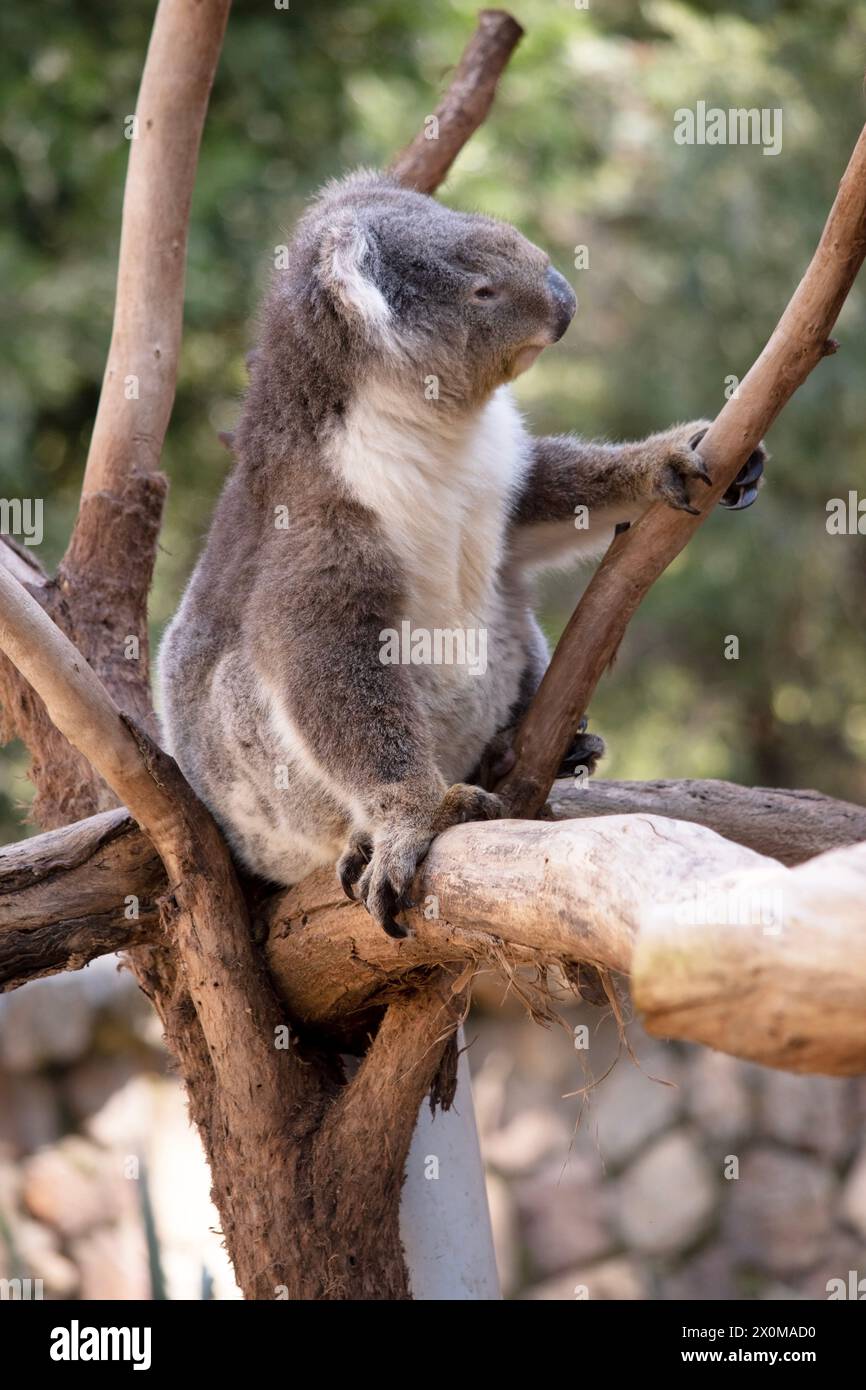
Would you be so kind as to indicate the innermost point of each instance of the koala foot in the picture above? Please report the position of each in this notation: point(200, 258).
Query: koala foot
point(379, 871)
point(464, 802)
point(586, 751)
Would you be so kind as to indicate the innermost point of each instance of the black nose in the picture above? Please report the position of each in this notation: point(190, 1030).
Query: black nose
point(564, 301)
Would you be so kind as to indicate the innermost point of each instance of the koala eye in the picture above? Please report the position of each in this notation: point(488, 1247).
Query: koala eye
point(485, 292)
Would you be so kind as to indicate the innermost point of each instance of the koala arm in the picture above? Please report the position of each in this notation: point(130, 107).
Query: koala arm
point(319, 646)
point(611, 482)
point(318, 643)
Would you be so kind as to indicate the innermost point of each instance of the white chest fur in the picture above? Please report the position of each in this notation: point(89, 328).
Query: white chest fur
point(440, 488)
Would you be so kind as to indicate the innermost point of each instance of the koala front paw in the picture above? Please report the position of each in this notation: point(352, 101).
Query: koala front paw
point(682, 464)
point(677, 465)
point(380, 871)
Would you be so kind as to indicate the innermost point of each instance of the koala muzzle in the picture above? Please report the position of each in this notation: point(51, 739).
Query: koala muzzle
point(564, 302)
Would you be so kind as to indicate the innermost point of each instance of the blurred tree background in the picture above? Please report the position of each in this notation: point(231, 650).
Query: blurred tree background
point(693, 253)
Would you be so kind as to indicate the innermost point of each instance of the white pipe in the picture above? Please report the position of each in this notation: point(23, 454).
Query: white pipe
point(444, 1216)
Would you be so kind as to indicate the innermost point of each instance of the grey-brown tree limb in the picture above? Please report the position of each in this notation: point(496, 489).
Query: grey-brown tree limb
point(425, 162)
point(788, 825)
point(63, 894)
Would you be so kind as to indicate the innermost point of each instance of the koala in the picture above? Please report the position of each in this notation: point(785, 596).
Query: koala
point(385, 491)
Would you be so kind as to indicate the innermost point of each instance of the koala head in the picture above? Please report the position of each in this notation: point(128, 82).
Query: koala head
point(416, 288)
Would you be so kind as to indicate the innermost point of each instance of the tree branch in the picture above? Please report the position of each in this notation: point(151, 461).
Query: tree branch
point(792, 826)
point(106, 573)
point(73, 894)
point(512, 894)
point(205, 915)
point(787, 988)
point(99, 598)
point(424, 163)
point(163, 154)
point(63, 894)
point(377, 1111)
point(638, 556)
point(773, 960)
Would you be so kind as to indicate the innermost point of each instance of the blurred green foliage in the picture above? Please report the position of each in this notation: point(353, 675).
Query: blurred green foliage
point(693, 252)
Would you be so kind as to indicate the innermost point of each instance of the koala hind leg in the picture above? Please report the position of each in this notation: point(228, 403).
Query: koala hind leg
point(586, 751)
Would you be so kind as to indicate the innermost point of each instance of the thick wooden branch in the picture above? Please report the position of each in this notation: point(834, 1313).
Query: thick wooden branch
point(163, 154)
point(511, 894)
point(787, 988)
point(774, 958)
point(376, 1111)
point(638, 556)
point(67, 787)
point(59, 891)
point(204, 914)
point(73, 894)
point(63, 894)
point(508, 892)
point(426, 161)
point(788, 825)
point(106, 573)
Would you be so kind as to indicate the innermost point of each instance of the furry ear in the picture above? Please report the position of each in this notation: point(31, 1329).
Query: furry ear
point(348, 254)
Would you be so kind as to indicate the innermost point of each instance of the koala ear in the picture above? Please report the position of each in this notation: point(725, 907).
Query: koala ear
point(347, 257)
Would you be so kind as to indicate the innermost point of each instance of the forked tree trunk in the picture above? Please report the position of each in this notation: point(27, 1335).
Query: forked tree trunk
point(308, 1155)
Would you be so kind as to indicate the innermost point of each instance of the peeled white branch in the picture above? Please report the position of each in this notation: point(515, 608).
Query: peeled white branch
point(789, 990)
point(769, 964)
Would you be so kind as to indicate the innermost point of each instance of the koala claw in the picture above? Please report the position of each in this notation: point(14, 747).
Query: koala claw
point(744, 488)
point(352, 863)
point(380, 872)
point(385, 884)
point(678, 466)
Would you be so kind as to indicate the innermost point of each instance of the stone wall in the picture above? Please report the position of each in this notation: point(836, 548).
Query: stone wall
point(683, 1173)
point(675, 1173)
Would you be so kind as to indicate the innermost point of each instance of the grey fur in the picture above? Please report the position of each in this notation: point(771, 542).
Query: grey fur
point(276, 703)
